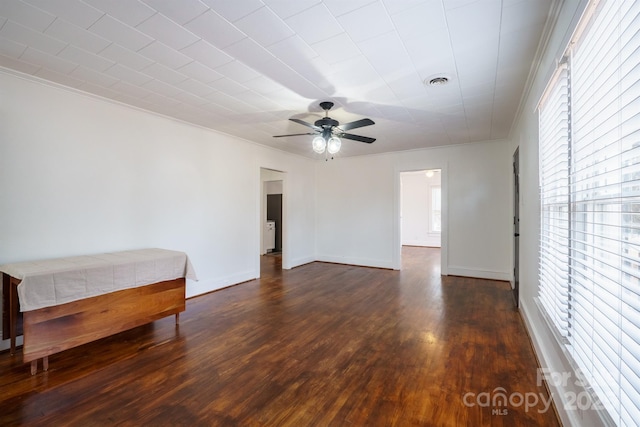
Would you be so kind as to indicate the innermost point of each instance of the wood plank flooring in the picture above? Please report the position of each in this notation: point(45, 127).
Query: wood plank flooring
point(319, 345)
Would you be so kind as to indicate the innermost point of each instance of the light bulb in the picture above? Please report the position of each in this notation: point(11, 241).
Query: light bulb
point(319, 144)
point(429, 174)
point(333, 146)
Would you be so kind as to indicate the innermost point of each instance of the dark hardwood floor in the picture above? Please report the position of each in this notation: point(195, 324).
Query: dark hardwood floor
point(319, 345)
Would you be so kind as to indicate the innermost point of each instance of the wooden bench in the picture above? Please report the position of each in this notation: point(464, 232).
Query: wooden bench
point(55, 328)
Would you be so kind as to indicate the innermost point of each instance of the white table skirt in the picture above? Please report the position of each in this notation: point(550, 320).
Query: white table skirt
point(57, 281)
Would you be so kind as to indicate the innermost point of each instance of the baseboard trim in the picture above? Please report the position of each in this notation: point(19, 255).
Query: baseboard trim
point(206, 286)
point(362, 262)
point(480, 274)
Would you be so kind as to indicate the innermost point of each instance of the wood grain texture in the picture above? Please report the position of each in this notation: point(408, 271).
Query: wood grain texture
point(54, 329)
point(319, 345)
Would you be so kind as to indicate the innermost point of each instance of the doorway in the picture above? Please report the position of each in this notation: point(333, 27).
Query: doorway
point(272, 219)
point(421, 208)
point(516, 226)
point(435, 208)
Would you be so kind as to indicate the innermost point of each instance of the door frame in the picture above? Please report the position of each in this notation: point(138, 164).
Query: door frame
point(516, 227)
point(261, 210)
point(444, 235)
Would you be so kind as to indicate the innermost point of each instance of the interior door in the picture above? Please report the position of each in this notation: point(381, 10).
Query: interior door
point(516, 226)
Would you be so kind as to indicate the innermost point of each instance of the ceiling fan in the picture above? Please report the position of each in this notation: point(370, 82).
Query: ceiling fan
point(329, 131)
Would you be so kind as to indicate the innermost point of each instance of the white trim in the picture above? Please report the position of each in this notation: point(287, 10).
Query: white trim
point(480, 274)
point(444, 234)
point(552, 357)
point(363, 262)
point(301, 261)
point(202, 287)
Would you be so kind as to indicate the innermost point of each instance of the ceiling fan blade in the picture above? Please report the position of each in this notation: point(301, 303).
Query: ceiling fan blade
point(302, 122)
point(295, 134)
point(357, 124)
point(357, 138)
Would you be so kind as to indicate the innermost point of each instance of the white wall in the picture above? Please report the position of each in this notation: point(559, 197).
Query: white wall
point(273, 187)
point(358, 203)
point(415, 209)
point(81, 175)
point(526, 137)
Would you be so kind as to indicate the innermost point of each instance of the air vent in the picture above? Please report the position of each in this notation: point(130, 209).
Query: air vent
point(438, 81)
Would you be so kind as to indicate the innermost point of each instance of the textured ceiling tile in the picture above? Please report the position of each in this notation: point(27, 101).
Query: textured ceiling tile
point(165, 55)
point(337, 48)
point(214, 29)
point(41, 59)
point(162, 88)
point(207, 54)
point(181, 11)
point(74, 11)
point(27, 15)
point(197, 71)
point(304, 24)
point(161, 28)
point(163, 73)
point(195, 87)
point(262, 85)
point(340, 7)
point(422, 20)
point(374, 15)
point(128, 11)
point(90, 60)
point(232, 10)
point(285, 9)
point(29, 37)
point(18, 65)
point(395, 6)
point(125, 57)
point(249, 52)
point(128, 75)
point(387, 55)
point(11, 48)
point(60, 78)
point(72, 34)
point(92, 76)
point(264, 26)
point(237, 71)
point(228, 86)
point(292, 50)
point(120, 33)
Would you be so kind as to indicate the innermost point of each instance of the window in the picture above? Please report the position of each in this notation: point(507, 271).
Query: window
point(435, 225)
point(589, 254)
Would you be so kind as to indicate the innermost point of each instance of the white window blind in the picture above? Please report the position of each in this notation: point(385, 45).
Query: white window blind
point(554, 201)
point(596, 301)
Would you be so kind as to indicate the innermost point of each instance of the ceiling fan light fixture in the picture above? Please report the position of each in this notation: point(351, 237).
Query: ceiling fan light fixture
point(319, 144)
point(333, 146)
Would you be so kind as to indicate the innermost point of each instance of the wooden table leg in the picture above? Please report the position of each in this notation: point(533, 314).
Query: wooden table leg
point(45, 363)
point(34, 366)
point(177, 319)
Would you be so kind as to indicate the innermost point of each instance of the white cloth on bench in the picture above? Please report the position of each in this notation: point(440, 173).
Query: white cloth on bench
point(57, 281)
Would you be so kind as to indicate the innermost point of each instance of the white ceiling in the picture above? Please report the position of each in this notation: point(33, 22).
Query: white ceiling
point(244, 67)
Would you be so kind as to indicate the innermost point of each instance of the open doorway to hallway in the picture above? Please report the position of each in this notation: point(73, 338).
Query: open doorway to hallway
point(421, 208)
point(422, 212)
point(271, 217)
